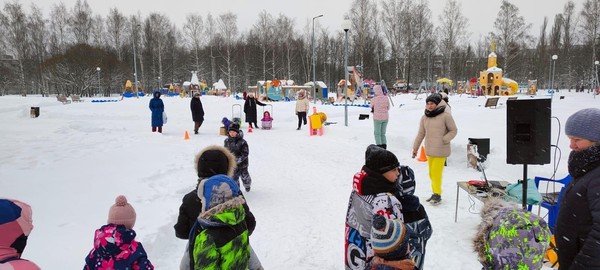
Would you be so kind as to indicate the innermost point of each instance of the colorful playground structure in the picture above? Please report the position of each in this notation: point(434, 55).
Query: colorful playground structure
point(129, 91)
point(492, 83)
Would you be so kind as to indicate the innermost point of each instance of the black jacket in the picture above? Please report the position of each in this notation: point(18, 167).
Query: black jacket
point(197, 110)
point(250, 109)
point(578, 225)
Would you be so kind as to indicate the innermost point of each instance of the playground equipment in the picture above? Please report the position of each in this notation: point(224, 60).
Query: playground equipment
point(316, 122)
point(129, 91)
point(491, 81)
point(355, 85)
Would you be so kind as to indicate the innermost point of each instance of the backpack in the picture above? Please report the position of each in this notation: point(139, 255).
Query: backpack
point(518, 239)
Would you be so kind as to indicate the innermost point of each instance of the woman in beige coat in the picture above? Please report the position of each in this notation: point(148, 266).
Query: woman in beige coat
point(438, 129)
point(302, 105)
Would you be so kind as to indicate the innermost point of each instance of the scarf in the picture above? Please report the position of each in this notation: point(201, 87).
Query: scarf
point(581, 162)
point(437, 111)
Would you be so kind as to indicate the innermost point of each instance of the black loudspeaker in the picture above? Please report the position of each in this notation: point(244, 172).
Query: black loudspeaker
point(528, 131)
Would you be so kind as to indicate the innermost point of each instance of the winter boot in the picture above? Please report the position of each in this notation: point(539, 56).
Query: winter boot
point(435, 199)
point(384, 146)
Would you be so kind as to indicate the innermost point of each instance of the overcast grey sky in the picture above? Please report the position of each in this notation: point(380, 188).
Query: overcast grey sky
point(481, 13)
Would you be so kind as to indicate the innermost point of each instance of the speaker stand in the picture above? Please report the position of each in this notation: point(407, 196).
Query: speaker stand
point(524, 186)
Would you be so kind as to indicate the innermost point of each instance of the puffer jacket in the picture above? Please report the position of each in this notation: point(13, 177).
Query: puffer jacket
point(15, 222)
point(302, 104)
point(239, 147)
point(115, 247)
point(509, 237)
point(222, 242)
point(157, 108)
point(380, 105)
point(438, 131)
point(578, 223)
point(371, 194)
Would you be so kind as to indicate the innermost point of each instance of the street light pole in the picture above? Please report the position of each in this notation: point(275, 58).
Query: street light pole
point(313, 57)
point(346, 26)
point(596, 63)
point(554, 57)
point(135, 63)
point(99, 91)
point(159, 87)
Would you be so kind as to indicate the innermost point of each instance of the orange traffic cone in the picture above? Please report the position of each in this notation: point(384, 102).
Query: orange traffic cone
point(422, 156)
point(250, 129)
point(186, 136)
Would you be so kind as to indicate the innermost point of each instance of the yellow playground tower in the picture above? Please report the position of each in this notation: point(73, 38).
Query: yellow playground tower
point(492, 83)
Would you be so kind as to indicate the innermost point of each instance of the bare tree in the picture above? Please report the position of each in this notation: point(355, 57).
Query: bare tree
point(59, 23)
point(590, 27)
point(362, 12)
point(116, 23)
point(193, 30)
point(37, 25)
point(97, 32)
point(511, 33)
point(227, 24)
point(417, 32)
point(263, 29)
point(569, 39)
point(15, 22)
point(81, 22)
point(452, 32)
point(284, 29)
point(211, 33)
point(392, 30)
point(542, 54)
point(157, 27)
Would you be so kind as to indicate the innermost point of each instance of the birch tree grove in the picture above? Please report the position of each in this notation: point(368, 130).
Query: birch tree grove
point(390, 39)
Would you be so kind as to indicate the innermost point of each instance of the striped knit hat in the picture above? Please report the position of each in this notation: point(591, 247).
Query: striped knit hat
point(389, 238)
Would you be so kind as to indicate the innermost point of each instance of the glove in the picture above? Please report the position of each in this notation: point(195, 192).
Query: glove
point(296, 113)
point(414, 154)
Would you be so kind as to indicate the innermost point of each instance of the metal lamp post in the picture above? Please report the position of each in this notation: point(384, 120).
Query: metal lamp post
point(135, 64)
point(314, 77)
point(98, 69)
point(554, 57)
point(346, 26)
point(159, 87)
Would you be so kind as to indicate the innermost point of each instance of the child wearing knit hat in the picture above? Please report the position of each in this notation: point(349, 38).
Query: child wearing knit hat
point(389, 240)
point(115, 246)
point(15, 226)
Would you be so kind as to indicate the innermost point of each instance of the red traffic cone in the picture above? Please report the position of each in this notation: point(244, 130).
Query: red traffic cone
point(250, 129)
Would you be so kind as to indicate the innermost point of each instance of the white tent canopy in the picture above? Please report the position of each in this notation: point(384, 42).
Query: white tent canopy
point(220, 85)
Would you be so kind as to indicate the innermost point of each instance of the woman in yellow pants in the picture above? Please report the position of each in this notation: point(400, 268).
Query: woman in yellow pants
point(438, 129)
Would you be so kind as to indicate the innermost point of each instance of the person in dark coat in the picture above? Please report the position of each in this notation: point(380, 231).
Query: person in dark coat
point(197, 111)
point(157, 107)
point(578, 224)
point(250, 109)
point(210, 161)
point(239, 147)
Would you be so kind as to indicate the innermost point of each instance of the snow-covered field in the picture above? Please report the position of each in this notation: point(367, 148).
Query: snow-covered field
point(72, 161)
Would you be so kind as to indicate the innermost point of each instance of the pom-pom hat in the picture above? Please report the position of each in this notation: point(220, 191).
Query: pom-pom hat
point(389, 238)
point(122, 213)
point(584, 124)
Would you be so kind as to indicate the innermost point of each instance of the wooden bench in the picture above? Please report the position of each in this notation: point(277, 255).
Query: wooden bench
point(492, 102)
point(63, 99)
point(76, 98)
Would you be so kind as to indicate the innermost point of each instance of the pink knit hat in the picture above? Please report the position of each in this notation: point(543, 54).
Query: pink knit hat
point(122, 213)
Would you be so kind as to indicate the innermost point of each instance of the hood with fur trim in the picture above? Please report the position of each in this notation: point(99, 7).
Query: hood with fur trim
point(230, 158)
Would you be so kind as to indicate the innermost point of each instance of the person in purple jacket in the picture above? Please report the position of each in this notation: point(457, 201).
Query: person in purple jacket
point(115, 246)
point(380, 105)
